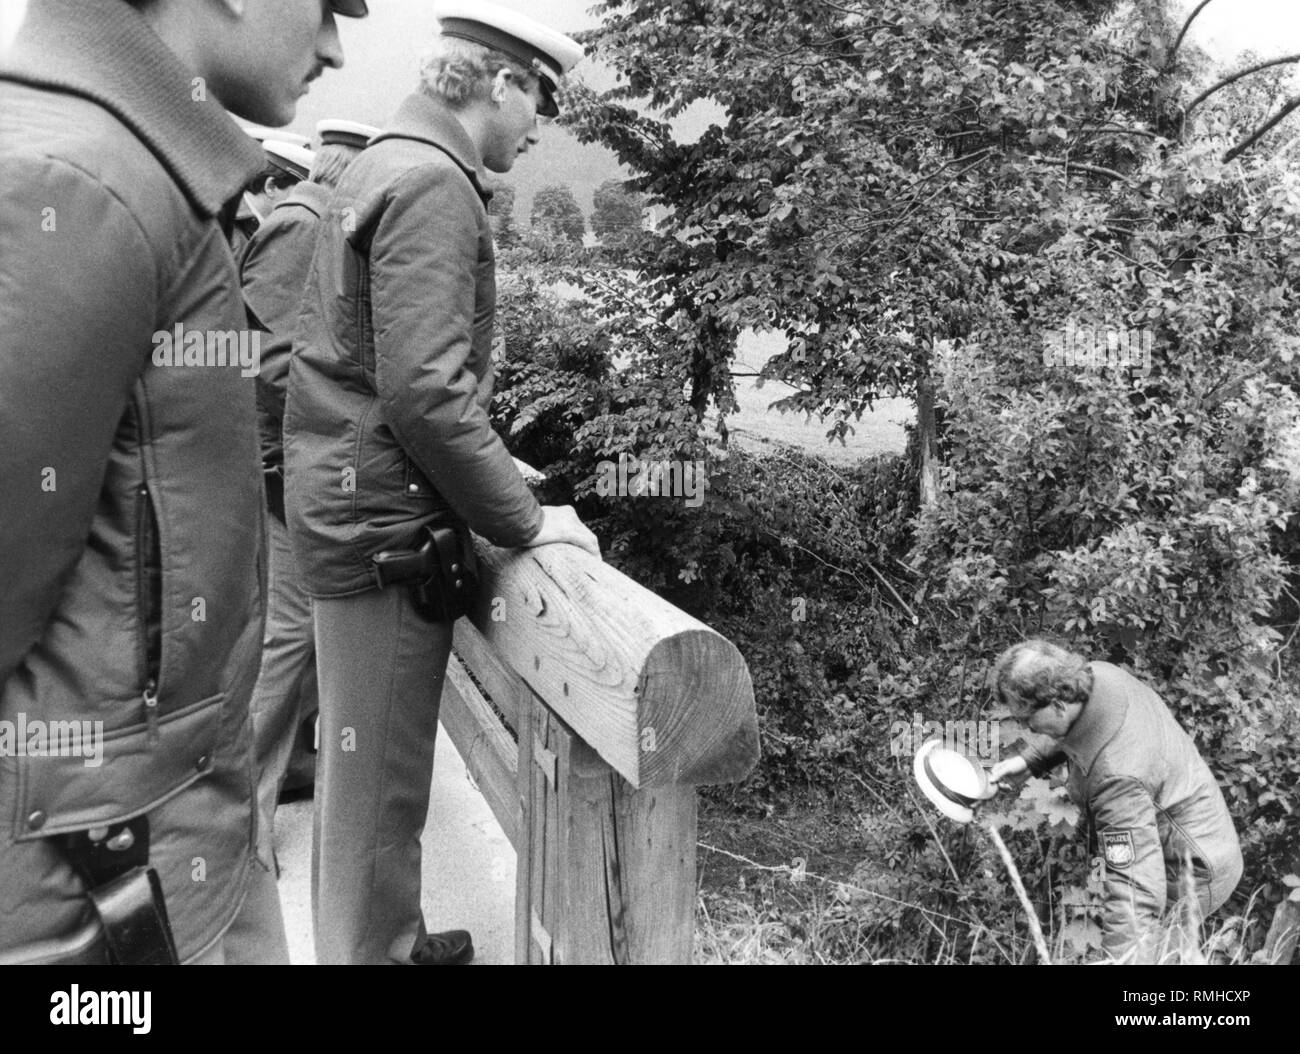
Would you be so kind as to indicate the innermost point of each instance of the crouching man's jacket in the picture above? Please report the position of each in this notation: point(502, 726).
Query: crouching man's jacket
point(386, 426)
point(131, 532)
point(1154, 805)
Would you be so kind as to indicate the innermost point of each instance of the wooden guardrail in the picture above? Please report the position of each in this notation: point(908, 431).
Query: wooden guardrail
point(588, 710)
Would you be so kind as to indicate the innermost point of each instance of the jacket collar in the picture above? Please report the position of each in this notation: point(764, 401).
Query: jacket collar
point(1098, 721)
point(429, 120)
point(307, 195)
point(106, 52)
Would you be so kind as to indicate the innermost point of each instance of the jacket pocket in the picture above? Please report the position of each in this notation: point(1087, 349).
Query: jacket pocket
point(1181, 849)
point(148, 606)
point(422, 497)
point(414, 481)
point(117, 775)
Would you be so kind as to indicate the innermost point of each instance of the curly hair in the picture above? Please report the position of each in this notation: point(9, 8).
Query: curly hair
point(1039, 673)
point(460, 71)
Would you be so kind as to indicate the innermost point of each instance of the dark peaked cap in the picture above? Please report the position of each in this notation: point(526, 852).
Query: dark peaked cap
point(335, 131)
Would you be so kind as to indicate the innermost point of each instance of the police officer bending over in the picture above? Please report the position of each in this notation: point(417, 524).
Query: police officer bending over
point(1154, 805)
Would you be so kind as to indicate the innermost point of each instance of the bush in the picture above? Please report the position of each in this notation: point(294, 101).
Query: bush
point(1144, 519)
point(791, 558)
point(1148, 532)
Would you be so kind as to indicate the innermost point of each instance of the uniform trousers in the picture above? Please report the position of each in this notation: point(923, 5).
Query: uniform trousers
point(286, 683)
point(256, 936)
point(380, 669)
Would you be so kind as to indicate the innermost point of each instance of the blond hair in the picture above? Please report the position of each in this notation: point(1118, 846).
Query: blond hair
point(331, 162)
point(460, 71)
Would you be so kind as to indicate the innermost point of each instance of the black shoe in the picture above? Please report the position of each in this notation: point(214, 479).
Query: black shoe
point(452, 948)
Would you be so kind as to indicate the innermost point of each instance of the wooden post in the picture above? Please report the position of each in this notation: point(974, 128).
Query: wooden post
point(622, 706)
point(606, 872)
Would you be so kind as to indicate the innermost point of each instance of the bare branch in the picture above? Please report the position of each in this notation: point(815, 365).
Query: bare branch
point(1262, 130)
point(1092, 170)
point(1113, 128)
point(1173, 52)
point(1236, 77)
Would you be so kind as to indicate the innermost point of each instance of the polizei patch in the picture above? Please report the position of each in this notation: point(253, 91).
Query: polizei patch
point(1118, 846)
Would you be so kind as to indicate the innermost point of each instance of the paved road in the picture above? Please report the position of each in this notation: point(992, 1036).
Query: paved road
point(469, 866)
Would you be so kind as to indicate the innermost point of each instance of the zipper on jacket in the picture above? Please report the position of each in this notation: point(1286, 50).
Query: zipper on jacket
point(151, 710)
point(365, 324)
point(148, 578)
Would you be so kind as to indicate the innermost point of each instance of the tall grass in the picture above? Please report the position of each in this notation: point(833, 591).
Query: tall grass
point(785, 916)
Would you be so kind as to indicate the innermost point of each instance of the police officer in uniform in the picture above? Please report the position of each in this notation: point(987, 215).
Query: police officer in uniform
point(388, 448)
point(1153, 802)
point(338, 143)
point(131, 543)
point(264, 189)
point(287, 163)
point(273, 272)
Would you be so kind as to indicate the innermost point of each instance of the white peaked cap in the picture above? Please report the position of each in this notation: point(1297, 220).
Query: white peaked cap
point(953, 782)
point(280, 135)
point(550, 54)
point(289, 157)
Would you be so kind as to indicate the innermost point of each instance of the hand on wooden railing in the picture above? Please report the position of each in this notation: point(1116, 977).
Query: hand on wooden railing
point(560, 523)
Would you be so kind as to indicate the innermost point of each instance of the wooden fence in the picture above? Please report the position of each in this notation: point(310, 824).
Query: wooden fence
point(588, 710)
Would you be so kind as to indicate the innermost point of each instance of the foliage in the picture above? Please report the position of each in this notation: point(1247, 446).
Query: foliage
point(616, 218)
point(556, 211)
point(802, 911)
point(923, 197)
point(501, 214)
point(792, 558)
point(1148, 518)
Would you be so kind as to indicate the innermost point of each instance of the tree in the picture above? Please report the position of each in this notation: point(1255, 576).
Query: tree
point(883, 167)
point(556, 210)
point(616, 216)
point(918, 195)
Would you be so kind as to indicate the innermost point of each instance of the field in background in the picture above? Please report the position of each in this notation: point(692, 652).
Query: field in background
point(879, 432)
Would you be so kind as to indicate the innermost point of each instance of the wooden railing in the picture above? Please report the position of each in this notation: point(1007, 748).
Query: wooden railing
point(620, 705)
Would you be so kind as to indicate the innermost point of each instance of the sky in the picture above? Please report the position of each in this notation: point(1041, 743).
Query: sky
point(382, 58)
point(382, 54)
point(1228, 27)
